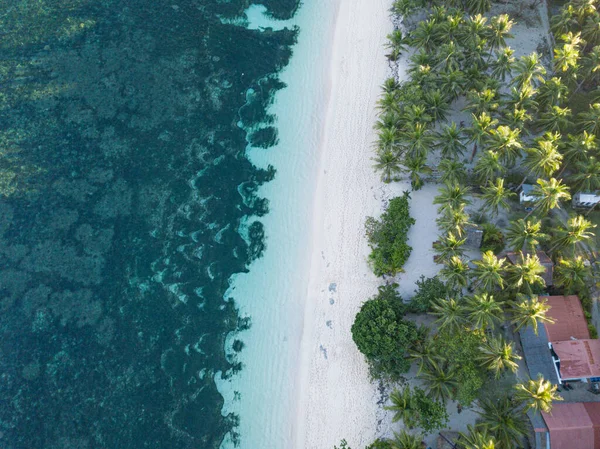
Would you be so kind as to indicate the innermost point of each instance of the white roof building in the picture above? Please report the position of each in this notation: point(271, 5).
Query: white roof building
point(526, 194)
point(585, 199)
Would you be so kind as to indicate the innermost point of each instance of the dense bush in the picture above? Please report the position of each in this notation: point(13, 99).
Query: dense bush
point(383, 336)
point(428, 290)
point(387, 237)
point(461, 351)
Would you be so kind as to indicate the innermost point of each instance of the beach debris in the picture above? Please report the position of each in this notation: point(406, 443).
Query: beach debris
point(332, 287)
point(323, 351)
point(329, 324)
point(331, 301)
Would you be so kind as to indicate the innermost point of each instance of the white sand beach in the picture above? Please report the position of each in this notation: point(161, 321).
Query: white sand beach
point(336, 397)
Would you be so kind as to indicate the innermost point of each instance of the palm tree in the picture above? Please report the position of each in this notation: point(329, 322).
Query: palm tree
point(496, 196)
point(504, 420)
point(451, 196)
point(516, 117)
point(537, 395)
point(480, 130)
point(478, 6)
point(455, 272)
point(449, 246)
point(489, 271)
point(544, 159)
point(389, 165)
point(526, 272)
point(503, 63)
point(499, 31)
point(403, 407)
point(436, 104)
point(571, 274)
point(415, 114)
point(423, 352)
point(405, 440)
point(552, 92)
point(566, 58)
point(498, 355)
point(476, 439)
point(453, 83)
point(388, 102)
point(525, 235)
point(586, 176)
point(555, 119)
point(480, 101)
point(505, 141)
point(425, 35)
point(488, 166)
point(416, 167)
point(529, 311)
point(452, 171)
point(528, 69)
point(454, 220)
point(450, 314)
point(396, 44)
point(565, 21)
point(440, 380)
point(549, 194)
point(579, 147)
point(484, 311)
point(417, 139)
point(576, 231)
point(449, 141)
point(591, 30)
point(523, 97)
point(590, 121)
point(387, 139)
point(591, 66)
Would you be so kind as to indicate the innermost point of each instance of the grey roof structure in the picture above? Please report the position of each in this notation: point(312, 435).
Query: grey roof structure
point(540, 429)
point(537, 353)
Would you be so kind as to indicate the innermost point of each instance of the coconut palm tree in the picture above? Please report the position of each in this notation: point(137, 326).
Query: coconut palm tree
point(489, 272)
point(591, 66)
point(485, 100)
point(516, 117)
point(449, 246)
point(505, 141)
point(388, 120)
point(387, 139)
point(425, 35)
point(503, 63)
point(496, 196)
point(488, 166)
point(452, 171)
point(389, 165)
point(455, 272)
point(476, 439)
point(388, 102)
point(552, 92)
point(537, 395)
point(543, 159)
point(580, 147)
point(396, 44)
point(415, 114)
point(423, 352)
point(586, 176)
point(575, 232)
point(480, 130)
point(526, 273)
point(416, 167)
point(474, 30)
point(454, 220)
point(525, 235)
point(590, 121)
point(436, 104)
point(549, 193)
point(523, 97)
point(440, 380)
point(556, 119)
point(571, 274)
point(529, 70)
point(504, 420)
point(478, 6)
point(451, 196)
point(483, 311)
point(417, 139)
point(591, 30)
point(449, 141)
point(405, 440)
point(450, 314)
point(566, 59)
point(453, 83)
point(403, 407)
point(565, 21)
point(498, 355)
point(499, 31)
point(529, 311)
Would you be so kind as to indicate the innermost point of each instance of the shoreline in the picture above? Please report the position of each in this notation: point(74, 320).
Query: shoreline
point(333, 375)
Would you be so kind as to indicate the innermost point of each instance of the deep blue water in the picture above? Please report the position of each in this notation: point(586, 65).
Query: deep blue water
point(123, 181)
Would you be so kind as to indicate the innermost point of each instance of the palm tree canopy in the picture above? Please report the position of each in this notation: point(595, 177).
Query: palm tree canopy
point(484, 311)
point(488, 166)
point(572, 274)
point(477, 439)
point(525, 234)
point(496, 196)
point(550, 194)
point(504, 420)
point(498, 355)
point(544, 159)
point(537, 394)
point(528, 311)
point(489, 271)
point(450, 314)
point(526, 272)
point(452, 196)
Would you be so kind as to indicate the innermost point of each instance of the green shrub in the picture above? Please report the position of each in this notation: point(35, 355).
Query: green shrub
point(593, 330)
point(383, 336)
point(387, 237)
point(427, 291)
point(493, 238)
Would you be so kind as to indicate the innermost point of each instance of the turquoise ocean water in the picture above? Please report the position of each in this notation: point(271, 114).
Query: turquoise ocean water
point(142, 145)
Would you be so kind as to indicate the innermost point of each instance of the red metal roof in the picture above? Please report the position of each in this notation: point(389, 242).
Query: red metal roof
point(579, 359)
point(574, 425)
point(569, 321)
